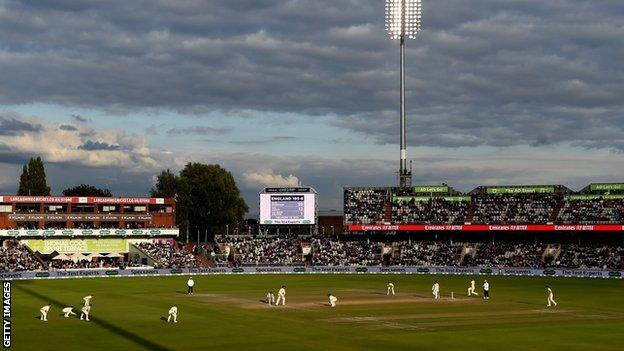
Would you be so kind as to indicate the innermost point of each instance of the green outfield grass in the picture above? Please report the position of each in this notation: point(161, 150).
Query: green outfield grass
point(226, 314)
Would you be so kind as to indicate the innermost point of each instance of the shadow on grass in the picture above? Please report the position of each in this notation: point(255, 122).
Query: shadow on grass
point(136, 339)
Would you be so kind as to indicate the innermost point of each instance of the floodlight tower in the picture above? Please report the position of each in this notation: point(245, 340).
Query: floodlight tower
point(403, 20)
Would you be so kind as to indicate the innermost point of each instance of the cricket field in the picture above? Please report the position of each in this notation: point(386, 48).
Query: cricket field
point(227, 313)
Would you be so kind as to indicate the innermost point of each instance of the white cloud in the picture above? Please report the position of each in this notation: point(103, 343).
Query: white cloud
point(81, 145)
point(269, 178)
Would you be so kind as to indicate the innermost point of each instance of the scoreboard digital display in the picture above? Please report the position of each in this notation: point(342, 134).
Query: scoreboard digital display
point(287, 208)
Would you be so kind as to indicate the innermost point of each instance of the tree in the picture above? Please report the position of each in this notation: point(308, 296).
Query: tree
point(167, 184)
point(207, 197)
point(87, 190)
point(24, 182)
point(33, 179)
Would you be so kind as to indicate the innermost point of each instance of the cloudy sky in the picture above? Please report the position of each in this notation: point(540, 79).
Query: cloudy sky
point(283, 92)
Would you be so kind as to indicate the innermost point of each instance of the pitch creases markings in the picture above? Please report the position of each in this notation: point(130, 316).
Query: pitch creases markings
point(311, 302)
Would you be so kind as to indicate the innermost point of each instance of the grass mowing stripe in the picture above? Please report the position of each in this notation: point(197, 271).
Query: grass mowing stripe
point(144, 343)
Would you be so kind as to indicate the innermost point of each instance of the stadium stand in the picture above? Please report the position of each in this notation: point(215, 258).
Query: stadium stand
point(513, 209)
point(434, 211)
point(329, 252)
point(169, 255)
point(336, 252)
point(365, 205)
point(592, 211)
point(387, 207)
point(249, 251)
point(505, 255)
point(326, 251)
point(99, 262)
point(15, 256)
point(427, 253)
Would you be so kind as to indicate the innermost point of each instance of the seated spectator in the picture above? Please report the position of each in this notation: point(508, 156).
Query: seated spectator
point(595, 211)
point(169, 255)
point(15, 256)
point(513, 209)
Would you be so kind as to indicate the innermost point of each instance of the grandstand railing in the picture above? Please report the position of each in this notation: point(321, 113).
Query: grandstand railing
point(16, 233)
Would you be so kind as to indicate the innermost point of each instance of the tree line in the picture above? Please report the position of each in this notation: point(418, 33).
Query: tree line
point(207, 197)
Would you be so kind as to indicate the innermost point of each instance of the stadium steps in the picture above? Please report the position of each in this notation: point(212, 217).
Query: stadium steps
point(200, 258)
point(203, 261)
point(136, 247)
point(556, 210)
point(470, 212)
point(387, 212)
point(462, 255)
point(189, 246)
point(45, 264)
point(557, 253)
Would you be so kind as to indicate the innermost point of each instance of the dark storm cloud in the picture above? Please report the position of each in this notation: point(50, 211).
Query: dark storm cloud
point(482, 73)
point(8, 156)
point(91, 145)
point(68, 127)
point(13, 126)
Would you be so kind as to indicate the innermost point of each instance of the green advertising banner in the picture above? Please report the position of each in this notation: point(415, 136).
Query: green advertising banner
point(521, 190)
point(431, 189)
point(606, 186)
point(77, 245)
point(404, 199)
point(594, 197)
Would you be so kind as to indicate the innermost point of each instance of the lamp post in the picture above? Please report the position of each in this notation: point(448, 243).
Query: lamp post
point(403, 20)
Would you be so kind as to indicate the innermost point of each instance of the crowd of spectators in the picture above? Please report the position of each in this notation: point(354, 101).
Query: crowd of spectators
point(15, 256)
point(169, 255)
point(427, 253)
point(513, 209)
point(505, 255)
point(591, 212)
point(434, 211)
point(327, 252)
point(590, 256)
point(365, 206)
point(248, 251)
point(99, 262)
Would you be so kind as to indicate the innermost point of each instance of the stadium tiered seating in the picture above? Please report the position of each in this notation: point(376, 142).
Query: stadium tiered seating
point(168, 255)
point(591, 256)
point(15, 256)
point(427, 253)
point(329, 252)
point(264, 251)
point(364, 206)
point(513, 209)
point(434, 211)
point(99, 262)
point(506, 255)
point(595, 211)
point(334, 252)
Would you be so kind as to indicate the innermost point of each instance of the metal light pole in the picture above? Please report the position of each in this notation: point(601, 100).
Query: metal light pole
point(403, 20)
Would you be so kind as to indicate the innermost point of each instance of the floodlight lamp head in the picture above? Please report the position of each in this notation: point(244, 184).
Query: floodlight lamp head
point(403, 18)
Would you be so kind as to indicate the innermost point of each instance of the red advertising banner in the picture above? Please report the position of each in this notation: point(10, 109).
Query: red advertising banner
point(81, 200)
point(485, 227)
